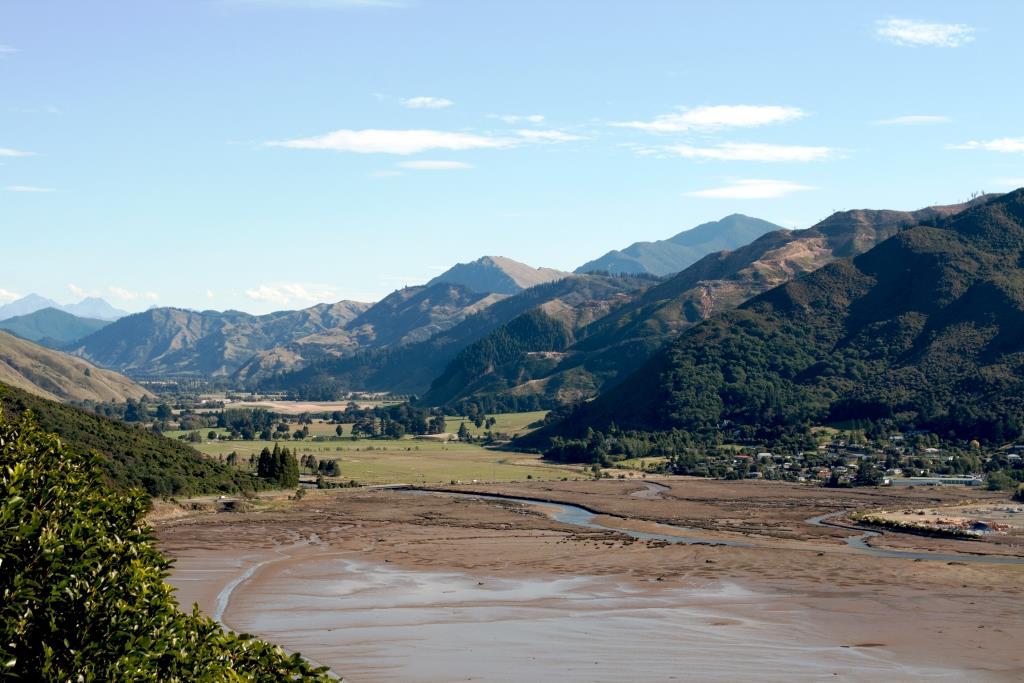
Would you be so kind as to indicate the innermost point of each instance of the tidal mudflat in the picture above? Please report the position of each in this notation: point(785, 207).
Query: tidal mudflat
point(384, 586)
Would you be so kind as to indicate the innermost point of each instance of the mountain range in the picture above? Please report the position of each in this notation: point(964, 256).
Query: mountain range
point(609, 348)
point(540, 338)
point(576, 301)
point(672, 255)
point(89, 307)
point(925, 330)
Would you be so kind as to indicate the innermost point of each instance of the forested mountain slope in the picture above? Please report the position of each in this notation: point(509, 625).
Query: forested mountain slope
point(925, 330)
point(618, 343)
point(131, 457)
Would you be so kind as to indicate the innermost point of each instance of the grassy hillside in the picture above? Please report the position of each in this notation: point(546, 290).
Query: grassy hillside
point(58, 376)
point(131, 457)
point(926, 330)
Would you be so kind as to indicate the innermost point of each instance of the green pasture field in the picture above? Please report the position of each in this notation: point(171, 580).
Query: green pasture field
point(513, 424)
point(409, 461)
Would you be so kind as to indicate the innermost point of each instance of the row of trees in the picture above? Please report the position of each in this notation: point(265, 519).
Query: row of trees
point(278, 466)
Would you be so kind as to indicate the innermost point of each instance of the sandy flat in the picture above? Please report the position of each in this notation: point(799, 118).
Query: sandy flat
point(388, 586)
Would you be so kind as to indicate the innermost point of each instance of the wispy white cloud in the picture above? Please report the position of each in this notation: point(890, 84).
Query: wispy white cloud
point(79, 292)
point(28, 189)
point(1005, 145)
point(130, 295)
point(736, 151)
point(513, 119)
point(405, 142)
point(914, 120)
point(7, 295)
point(7, 50)
point(285, 293)
point(547, 135)
point(432, 165)
point(423, 102)
point(751, 188)
point(8, 152)
point(911, 33)
point(375, 141)
point(716, 117)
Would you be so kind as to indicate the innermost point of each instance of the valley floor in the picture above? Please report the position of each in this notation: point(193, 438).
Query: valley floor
point(385, 585)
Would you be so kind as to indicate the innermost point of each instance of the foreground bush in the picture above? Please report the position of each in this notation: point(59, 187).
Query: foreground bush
point(82, 591)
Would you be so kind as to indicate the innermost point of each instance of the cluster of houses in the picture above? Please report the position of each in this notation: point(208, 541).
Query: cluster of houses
point(899, 460)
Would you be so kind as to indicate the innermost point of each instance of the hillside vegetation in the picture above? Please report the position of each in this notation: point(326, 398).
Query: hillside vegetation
point(60, 377)
point(83, 585)
point(925, 331)
point(130, 457)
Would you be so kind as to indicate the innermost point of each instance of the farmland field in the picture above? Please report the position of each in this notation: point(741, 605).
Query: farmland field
point(513, 424)
point(407, 460)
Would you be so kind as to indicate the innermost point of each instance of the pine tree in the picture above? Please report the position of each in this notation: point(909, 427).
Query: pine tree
point(287, 469)
point(265, 465)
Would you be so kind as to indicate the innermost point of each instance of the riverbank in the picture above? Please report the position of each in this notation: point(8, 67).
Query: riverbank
point(385, 586)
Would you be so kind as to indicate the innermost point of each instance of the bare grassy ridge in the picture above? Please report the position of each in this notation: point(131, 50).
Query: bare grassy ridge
point(60, 377)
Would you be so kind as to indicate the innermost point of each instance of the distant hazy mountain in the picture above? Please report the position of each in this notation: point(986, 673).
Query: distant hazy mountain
point(618, 343)
point(58, 376)
point(405, 316)
point(25, 305)
point(90, 307)
point(173, 341)
point(497, 274)
point(925, 330)
point(94, 307)
point(51, 327)
point(665, 257)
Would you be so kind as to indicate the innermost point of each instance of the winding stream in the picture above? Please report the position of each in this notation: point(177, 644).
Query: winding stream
point(575, 515)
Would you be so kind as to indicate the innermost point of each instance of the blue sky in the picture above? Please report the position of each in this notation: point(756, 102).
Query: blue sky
point(266, 154)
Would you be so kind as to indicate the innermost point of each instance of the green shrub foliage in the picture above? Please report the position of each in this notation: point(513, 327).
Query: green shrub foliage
point(82, 591)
